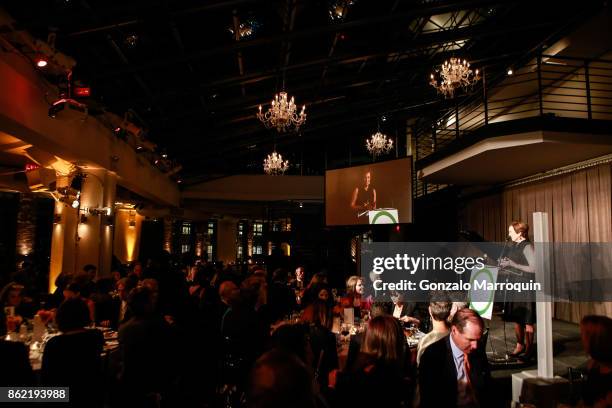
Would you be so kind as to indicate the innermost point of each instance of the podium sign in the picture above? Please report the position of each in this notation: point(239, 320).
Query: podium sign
point(383, 216)
point(482, 298)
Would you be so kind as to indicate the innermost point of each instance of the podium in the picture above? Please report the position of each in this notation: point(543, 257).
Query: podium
point(383, 216)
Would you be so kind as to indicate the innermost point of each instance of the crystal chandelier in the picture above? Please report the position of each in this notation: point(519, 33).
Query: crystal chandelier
point(282, 115)
point(274, 164)
point(378, 144)
point(453, 74)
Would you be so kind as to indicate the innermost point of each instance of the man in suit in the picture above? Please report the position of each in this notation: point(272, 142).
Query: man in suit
point(454, 371)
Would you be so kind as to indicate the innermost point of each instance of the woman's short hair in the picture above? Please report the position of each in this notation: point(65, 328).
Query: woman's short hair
point(351, 283)
point(384, 340)
point(521, 228)
point(72, 314)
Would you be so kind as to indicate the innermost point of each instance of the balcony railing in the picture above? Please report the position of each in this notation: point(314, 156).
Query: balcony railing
point(547, 86)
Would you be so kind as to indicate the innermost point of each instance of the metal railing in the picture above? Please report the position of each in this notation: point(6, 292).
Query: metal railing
point(546, 86)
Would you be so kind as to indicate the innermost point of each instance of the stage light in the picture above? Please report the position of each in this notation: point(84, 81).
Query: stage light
point(41, 62)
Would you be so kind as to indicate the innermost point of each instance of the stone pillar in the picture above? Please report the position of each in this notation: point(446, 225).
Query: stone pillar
point(63, 240)
point(106, 230)
point(89, 236)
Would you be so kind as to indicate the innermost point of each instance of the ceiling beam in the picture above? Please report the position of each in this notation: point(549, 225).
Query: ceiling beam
point(421, 10)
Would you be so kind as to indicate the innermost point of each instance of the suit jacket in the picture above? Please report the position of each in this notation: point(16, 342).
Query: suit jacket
point(438, 376)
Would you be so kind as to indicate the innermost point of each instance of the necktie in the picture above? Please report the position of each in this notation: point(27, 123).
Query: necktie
point(466, 367)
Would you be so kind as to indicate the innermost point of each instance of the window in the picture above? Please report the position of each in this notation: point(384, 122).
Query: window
point(258, 229)
point(186, 228)
point(211, 228)
point(209, 251)
point(275, 227)
point(240, 229)
point(239, 253)
point(185, 248)
point(257, 250)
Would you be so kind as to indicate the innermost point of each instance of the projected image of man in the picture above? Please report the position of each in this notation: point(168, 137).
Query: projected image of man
point(364, 197)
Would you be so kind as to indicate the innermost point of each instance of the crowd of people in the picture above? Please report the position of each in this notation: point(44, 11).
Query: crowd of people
point(214, 336)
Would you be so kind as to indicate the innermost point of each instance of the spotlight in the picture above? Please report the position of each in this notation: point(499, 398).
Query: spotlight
point(77, 202)
point(41, 62)
point(510, 72)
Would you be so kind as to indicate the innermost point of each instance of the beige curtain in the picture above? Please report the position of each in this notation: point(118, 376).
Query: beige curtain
point(579, 205)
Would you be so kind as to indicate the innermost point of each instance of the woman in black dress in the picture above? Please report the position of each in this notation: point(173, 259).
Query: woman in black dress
point(520, 260)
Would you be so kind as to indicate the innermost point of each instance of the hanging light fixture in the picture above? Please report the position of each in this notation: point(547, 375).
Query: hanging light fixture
point(453, 74)
point(379, 143)
point(274, 164)
point(282, 114)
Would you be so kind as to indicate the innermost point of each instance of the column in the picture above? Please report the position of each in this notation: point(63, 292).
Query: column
point(107, 225)
point(89, 234)
point(63, 240)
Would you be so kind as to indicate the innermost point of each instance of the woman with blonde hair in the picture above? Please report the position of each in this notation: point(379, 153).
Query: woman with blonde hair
point(355, 294)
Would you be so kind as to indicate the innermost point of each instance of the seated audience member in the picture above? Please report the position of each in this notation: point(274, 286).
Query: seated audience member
point(72, 359)
point(298, 282)
point(322, 341)
point(318, 291)
point(355, 295)
point(242, 333)
point(148, 352)
point(11, 296)
point(596, 334)
point(452, 371)
point(281, 298)
point(403, 311)
point(378, 309)
point(377, 376)
point(16, 369)
point(73, 291)
point(294, 339)
point(439, 312)
point(122, 313)
point(307, 293)
point(279, 380)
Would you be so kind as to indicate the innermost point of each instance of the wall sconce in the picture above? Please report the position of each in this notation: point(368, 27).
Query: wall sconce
point(132, 219)
point(100, 211)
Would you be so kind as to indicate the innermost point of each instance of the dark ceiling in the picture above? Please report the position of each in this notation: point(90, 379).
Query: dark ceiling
point(196, 88)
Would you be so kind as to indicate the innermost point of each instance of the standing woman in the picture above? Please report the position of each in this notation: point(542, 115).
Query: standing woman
point(520, 261)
